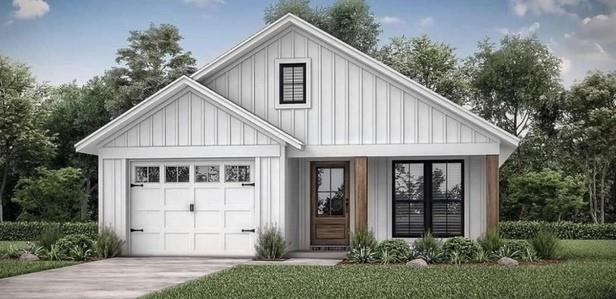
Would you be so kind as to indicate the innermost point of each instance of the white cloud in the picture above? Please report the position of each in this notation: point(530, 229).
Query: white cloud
point(30, 9)
point(426, 22)
point(202, 3)
point(600, 28)
point(540, 7)
point(523, 31)
point(389, 20)
point(565, 65)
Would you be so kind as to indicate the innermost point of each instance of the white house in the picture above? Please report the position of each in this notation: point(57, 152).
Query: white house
point(294, 128)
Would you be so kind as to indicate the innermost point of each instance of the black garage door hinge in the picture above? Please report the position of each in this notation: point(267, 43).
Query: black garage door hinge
point(248, 184)
point(136, 185)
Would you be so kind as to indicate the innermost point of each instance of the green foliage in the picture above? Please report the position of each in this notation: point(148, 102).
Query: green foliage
point(508, 82)
point(26, 231)
point(491, 241)
point(363, 239)
point(50, 235)
point(545, 195)
point(24, 143)
point(517, 249)
point(563, 230)
point(11, 252)
point(362, 255)
point(108, 244)
point(427, 242)
point(54, 195)
point(432, 64)
point(34, 249)
point(152, 60)
point(76, 247)
point(460, 249)
point(54, 253)
point(546, 244)
point(349, 20)
point(395, 250)
point(270, 244)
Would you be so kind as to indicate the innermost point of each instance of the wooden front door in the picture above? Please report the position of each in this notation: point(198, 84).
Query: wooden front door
point(329, 202)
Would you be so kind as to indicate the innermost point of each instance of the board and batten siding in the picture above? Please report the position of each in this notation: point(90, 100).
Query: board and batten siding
point(188, 120)
point(350, 102)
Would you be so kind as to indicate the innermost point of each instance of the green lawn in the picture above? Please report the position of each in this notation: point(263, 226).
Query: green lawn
point(588, 272)
point(17, 267)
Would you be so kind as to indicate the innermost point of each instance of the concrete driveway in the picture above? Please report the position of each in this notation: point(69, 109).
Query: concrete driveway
point(112, 278)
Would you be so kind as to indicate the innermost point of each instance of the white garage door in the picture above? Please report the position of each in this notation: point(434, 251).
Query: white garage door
point(192, 208)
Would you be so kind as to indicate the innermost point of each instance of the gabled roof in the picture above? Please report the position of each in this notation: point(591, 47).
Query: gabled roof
point(511, 141)
point(90, 144)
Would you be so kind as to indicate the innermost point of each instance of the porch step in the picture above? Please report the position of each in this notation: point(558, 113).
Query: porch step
point(318, 254)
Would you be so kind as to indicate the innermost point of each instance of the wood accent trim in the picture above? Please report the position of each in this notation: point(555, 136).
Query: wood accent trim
point(361, 193)
point(492, 192)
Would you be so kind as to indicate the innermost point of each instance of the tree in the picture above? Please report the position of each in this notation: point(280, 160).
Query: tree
point(23, 141)
point(512, 84)
point(352, 22)
point(300, 8)
point(51, 195)
point(588, 137)
point(75, 113)
point(431, 64)
point(546, 195)
point(349, 20)
point(152, 60)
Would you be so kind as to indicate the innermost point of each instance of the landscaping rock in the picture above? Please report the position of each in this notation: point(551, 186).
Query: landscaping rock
point(507, 262)
point(419, 263)
point(26, 256)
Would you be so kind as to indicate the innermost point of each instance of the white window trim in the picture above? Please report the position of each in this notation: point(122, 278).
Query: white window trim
point(277, 83)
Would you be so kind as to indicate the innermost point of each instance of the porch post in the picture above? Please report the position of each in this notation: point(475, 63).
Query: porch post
point(492, 201)
point(361, 193)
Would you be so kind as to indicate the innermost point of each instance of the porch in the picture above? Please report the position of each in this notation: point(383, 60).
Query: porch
point(359, 193)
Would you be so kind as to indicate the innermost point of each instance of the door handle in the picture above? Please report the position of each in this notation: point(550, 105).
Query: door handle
point(136, 230)
point(136, 185)
point(248, 184)
point(252, 230)
point(192, 207)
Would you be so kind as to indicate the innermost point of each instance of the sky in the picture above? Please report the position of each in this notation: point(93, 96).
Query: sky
point(66, 40)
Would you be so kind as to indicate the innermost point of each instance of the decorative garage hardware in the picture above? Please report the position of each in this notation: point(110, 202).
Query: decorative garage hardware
point(192, 207)
point(136, 185)
point(248, 184)
point(136, 230)
point(252, 230)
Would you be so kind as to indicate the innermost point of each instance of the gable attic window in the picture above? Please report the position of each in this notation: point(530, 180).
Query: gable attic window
point(292, 83)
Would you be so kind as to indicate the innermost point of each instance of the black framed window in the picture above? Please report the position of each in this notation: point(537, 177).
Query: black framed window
point(428, 196)
point(292, 83)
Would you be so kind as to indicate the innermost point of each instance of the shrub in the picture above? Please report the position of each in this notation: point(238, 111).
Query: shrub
point(363, 239)
point(397, 251)
point(461, 248)
point(34, 249)
point(427, 242)
point(29, 231)
point(49, 236)
point(562, 230)
point(108, 244)
point(72, 246)
point(54, 254)
point(546, 244)
point(491, 241)
point(431, 255)
point(11, 252)
point(362, 255)
point(270, 244)
point(517, 249)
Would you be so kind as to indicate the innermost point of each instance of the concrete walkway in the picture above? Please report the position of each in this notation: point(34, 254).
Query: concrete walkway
point(112, 278)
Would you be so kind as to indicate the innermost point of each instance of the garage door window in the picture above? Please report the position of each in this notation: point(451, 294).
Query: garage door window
point(237, 173)
point(147, 174)
point(177, 174)
point(207, 174)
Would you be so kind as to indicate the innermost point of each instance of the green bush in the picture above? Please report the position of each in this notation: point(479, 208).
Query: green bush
point(362, 255)
point(395, 251)
point(460, 249)
point(363, 239)
point(491, 241)
point(108, 244)
point(517, 249)
point(270, 244)
point(427, 242)
point(562, 230)
point(29, 231)
point(546, 244)
point(77, 247)
point(50, 236)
